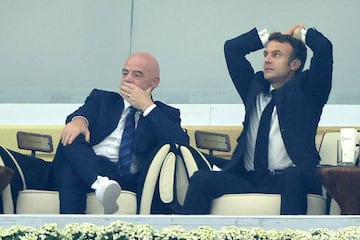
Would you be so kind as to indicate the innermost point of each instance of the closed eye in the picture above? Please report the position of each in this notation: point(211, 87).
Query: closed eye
point(125, 72)
point(138, 74)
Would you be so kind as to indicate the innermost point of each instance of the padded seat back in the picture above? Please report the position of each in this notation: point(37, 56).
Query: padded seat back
point(164, 154)
point(8, 193)
point(328, 148)
point(170, 170)
point(189, 161)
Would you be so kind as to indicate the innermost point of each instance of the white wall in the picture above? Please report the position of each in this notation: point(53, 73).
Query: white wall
point(191, 114)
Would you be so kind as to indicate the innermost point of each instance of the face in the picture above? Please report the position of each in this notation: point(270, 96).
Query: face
point(277, 65)
point(142, 70)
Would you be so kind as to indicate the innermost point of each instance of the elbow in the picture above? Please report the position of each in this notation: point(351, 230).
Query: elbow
point(227, 47)
point(185, 139)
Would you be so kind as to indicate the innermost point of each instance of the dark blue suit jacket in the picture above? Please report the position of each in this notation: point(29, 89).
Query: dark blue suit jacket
point(299, 102)
point(103, 110)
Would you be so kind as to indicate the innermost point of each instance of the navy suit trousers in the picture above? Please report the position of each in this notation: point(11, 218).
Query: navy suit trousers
point(75, 171)
point(205, 186)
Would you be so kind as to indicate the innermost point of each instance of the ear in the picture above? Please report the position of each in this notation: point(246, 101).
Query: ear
point(155, 83)
point(295, 64)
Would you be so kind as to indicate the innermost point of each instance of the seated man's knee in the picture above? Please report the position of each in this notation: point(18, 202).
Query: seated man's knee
point(80, 139)
point(77, 145)
point(200, 174)
point(200, 178)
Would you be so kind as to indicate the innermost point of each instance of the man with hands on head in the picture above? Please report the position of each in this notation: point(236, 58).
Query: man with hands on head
point(91, 153)
point(280, 156)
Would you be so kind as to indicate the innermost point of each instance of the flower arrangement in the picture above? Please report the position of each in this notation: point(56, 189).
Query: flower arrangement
point(119, 230)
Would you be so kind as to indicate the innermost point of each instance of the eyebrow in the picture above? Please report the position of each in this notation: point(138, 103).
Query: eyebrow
point(273, 51)
point(276, 50)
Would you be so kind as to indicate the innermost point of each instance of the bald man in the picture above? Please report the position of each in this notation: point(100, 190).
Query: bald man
point(88, 156)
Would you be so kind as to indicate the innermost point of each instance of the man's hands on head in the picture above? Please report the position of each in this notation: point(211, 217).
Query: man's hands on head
point(295, 31)
point(73, 129)
point(137, 97)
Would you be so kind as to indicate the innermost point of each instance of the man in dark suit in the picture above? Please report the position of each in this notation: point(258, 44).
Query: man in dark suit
point(91, 139)
point(288, 162)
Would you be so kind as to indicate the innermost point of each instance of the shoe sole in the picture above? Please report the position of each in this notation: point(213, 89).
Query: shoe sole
point(110, 197)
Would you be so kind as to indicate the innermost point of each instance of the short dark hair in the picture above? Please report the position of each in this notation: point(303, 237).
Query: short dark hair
point(299, 48)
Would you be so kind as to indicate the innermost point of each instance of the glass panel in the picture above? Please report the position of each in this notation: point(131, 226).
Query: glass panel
point(57, 51)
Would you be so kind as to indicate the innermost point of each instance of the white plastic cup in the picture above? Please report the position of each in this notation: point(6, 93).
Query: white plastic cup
point(347, 154)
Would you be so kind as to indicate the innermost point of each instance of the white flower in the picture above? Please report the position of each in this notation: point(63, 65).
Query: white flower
point(119, 230)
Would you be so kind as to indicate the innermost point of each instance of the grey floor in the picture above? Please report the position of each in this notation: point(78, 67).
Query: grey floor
point(190, 222)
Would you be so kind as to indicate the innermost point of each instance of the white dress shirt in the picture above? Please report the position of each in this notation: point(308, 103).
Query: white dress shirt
point(278, 157)
point(109, 147)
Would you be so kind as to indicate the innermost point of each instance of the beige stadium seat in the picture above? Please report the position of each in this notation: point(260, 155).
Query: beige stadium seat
point(161, 159)
point(162, 167)
point(269, 204)
point(170, 170)
point(179, 168)
point(47, 202)
point(170, 173)
point(126, 202)
point(255, 203)
point(32, 201)
point(261, 204)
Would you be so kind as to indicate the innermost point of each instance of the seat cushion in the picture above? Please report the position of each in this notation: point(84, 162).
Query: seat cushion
point(37, 202)
point(260, 204)
point(126, 202)
point(47, 202)
point(246, 204)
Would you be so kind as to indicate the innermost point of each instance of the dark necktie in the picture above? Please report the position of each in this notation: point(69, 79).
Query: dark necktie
point(262, 139)
point(125, 151)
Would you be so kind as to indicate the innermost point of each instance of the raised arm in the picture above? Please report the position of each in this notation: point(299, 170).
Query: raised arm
point(321, 65)
point(240, 69)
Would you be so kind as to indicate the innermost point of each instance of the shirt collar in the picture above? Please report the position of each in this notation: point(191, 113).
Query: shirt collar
point(126, 104)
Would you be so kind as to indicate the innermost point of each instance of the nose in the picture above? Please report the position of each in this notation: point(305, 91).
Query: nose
point(267, 58)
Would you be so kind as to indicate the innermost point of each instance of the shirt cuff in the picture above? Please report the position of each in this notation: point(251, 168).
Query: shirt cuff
point(149, 109)
point(303, 35)
point(264, 36)
point(87, 122)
